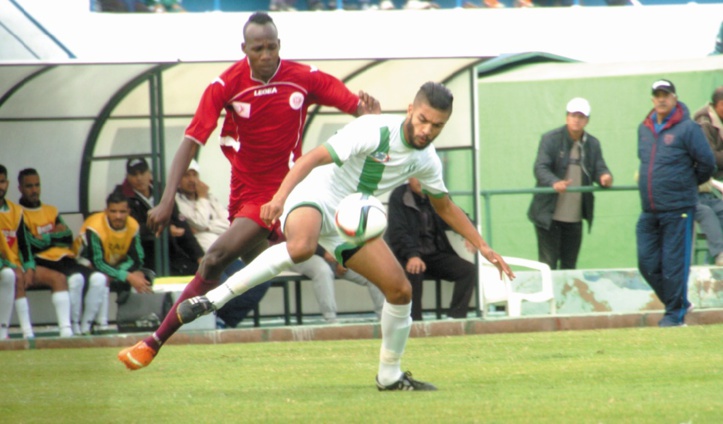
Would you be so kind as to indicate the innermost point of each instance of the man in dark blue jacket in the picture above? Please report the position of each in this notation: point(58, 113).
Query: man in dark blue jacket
point(674, 159)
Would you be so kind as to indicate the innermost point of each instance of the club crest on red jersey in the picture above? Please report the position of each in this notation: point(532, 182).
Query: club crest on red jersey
point(242, 109)
point(296, 100)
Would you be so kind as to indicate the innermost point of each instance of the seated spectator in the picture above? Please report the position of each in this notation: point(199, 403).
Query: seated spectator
point(416, 235)
point(109, 242)
point(13, 230)
point(122, 6)
point(161, 6)
point(184, 252)
point(420, 5)
point(709, 211)
point(709, 216)
point(286, 6)
point(208, 219)
point(203, 212)
point(48, 259)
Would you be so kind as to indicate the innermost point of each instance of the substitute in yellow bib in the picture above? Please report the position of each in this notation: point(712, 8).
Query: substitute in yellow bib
point(109, 242)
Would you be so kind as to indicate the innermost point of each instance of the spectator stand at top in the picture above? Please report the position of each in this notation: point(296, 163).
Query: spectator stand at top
point(305, 5)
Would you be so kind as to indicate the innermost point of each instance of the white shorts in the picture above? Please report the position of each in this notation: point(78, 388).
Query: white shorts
point(314, 192)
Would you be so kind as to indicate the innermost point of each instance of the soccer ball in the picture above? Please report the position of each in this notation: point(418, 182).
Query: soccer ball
point(359, 218)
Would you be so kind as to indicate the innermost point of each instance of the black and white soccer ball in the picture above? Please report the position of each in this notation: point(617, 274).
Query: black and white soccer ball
point(360, 218)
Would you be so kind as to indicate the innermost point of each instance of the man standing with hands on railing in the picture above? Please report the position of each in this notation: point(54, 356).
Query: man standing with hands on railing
point(567, 157)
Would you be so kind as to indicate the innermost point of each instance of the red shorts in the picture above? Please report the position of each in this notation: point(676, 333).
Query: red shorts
point(252, 211)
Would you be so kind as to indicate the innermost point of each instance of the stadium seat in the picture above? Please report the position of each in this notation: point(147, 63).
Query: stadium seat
point(496, 291)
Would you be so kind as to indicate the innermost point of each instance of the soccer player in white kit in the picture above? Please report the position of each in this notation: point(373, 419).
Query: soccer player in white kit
point(372, 154)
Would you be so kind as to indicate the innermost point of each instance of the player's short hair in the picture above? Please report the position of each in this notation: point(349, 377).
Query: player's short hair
point(258, 18)
point(26, 172)
point(437, 95)
point(3, 170)
point(717, 96)
point(116, 196)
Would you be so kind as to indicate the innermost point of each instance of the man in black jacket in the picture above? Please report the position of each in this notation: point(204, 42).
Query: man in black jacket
point(416, 235)
point(567, 157)
point(184, 252)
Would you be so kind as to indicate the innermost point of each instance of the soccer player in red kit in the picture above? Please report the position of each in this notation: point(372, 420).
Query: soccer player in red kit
point(266, 101)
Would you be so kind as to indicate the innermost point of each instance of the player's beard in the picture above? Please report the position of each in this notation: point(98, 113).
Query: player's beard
point(412, 138)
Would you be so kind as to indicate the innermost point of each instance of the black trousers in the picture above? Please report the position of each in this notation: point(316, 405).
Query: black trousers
point(450, 267)
point(561, 243)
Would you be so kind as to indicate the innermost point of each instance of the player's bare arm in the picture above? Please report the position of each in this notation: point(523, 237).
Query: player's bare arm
point(457, 219)
point(367, 105)
point(160, 215)
point(272, 210)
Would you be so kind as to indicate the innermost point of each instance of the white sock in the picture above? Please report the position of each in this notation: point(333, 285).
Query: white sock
point(61, 300)
point(23, 311)
point(93, 300)
point(396, 322)
point(7, 294)
point(75, 292)
point(102, 318)
point(266, 266)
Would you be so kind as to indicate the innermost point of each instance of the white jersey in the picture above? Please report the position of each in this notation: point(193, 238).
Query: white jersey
point(370, 156)
point(373, 157)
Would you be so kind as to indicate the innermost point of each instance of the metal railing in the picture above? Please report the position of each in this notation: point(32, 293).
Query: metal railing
point(488, 194)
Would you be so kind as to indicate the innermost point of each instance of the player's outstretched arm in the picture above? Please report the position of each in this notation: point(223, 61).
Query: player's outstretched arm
point(272, 210)
point(160, 215)
point(460, 223)
point(367, 105)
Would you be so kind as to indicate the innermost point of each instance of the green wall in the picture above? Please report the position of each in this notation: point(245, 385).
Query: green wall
point(515, 111)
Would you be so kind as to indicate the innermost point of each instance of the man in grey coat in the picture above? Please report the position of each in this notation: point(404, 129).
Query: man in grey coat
point(567, 157)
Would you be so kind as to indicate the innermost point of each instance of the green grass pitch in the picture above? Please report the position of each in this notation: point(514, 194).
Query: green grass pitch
point(642, 375)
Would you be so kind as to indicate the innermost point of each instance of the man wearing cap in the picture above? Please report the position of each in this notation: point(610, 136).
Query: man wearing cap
point(208, 219)
point(674, 159)
point(566, 157)
point(184, 252)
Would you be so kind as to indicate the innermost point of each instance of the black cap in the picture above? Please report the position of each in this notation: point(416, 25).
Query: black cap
point(136, 165)
point(663, 85)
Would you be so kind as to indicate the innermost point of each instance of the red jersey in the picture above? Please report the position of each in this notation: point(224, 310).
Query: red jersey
point(261, 133)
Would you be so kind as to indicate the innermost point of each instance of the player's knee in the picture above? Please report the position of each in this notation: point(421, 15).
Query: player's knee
point(75, 282)
point(215, 260)
point(97, 281)
point(7, 277)
point(399, 294)
point(299, 251)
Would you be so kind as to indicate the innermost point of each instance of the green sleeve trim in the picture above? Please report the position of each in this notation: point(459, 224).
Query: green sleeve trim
point(436, 196)
point(332, 152)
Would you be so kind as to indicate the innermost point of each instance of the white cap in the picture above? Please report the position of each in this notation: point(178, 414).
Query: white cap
point(194, 165)
point(578, 104)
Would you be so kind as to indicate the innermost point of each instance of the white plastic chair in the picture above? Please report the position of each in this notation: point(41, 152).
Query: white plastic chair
point(496, 291)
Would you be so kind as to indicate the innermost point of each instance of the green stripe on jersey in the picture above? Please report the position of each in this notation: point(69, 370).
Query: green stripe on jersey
point(373, 167)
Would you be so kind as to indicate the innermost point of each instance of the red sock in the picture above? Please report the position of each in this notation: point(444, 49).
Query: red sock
point(197, 287)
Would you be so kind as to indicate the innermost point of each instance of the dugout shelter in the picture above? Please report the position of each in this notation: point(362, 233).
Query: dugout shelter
point(82, 91)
